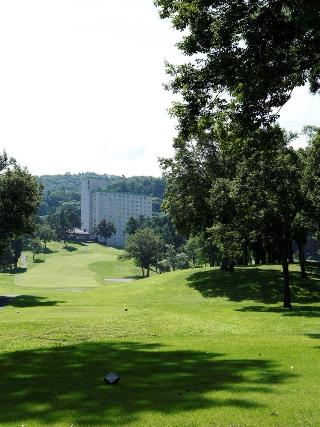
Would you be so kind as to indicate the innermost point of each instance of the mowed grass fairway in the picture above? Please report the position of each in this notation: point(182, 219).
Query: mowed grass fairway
point(194, 348)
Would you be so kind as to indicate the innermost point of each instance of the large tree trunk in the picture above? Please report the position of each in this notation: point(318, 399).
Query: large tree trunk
point(302, 260)
point(211, 253)
point(257, 256)
point(270, 257)
point(148, 271)
point(142, 271)
point(257, 252)
point(227, 265)
point(224, 264)
point(290, 253)
point(263, 253)
point(245, 254)
point(15, 263)
point(285, 273)
point(231, 266)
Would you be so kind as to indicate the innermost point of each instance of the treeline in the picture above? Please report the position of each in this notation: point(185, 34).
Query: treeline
point(62, 189)
point(234, 174)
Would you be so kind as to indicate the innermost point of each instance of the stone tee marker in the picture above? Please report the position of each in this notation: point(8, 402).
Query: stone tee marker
point(111, 378)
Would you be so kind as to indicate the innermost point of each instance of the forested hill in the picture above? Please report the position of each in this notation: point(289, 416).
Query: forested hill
point(59, 189)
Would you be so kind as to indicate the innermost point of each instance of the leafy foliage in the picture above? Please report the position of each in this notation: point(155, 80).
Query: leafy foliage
point(45, 233)
point(246, 58)
point(20, 195)
point(65, 220)
point(144, 247)
point(105, 229)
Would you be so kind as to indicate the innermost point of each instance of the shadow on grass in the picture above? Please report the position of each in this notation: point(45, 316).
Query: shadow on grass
point(26, 301)
point(49, 251)
point(63, 384)
point(315, 337)
point(77, 242)
point(38, 261)
point(256, 284)
point(70, 248)
point(298, 310)
point(18, 270)
point(82, 244)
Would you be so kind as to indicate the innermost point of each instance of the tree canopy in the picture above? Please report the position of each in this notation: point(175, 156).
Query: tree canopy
point(20, 195)
point(143, 246)
point(247, 55)
point(233, 173)
point(105, 229)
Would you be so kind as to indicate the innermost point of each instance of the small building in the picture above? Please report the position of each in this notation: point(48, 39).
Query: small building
point(78, 235)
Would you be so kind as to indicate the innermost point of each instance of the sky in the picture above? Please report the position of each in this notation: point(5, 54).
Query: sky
point(81, 87)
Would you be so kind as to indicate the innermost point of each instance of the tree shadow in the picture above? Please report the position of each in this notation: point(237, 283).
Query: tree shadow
point(47, 386)
point(315, 337)
point(261, 285)
point(298, 310)
point(82, 243)
point(77, 242)
point(49, 251)
point(70, 248)
point(313, 266)
point(38, 261)
point(18, 270)
point(22, 301)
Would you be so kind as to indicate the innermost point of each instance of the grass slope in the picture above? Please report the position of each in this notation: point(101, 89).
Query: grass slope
point(194, 348)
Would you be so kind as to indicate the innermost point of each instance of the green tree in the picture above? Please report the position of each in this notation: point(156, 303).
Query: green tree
point(171, 256)
point(245, 60)
point(164, 265)
point(45, 233)
point(191, 248)
point(134, 224)
point(182, 261)
point(268, 198)
point(20, 196)
point(247, 55)
point(163, 226)
point(65, 220)
point(311, 178)
point(105, 229)
point(229, 241)
point(196, 250)
point(36, 247)
point(301, 228)
point(189, 177)
point(144, 247)
point(17, 247)
point(6, 254)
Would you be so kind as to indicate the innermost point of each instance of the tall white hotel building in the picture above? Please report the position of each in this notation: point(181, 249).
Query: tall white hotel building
point(97, 203)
